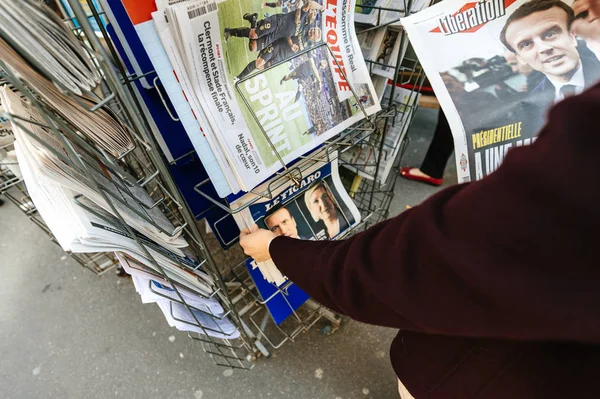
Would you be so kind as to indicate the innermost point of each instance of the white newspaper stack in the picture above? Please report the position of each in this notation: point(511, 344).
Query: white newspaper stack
point(39, 34)
point(208, 312)
point(101, 126)
point(90, 226)
point(41, 147)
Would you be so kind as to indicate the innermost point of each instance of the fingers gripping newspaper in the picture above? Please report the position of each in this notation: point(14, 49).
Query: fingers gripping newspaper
point(241, 67)
point(497, 67)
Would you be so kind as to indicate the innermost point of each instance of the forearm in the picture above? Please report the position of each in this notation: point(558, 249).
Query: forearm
point(498, 258)
point(308, 264)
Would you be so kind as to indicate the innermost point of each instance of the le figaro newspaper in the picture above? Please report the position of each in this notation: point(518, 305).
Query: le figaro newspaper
point(497, 67)
point(293, 68)
point(317, 208)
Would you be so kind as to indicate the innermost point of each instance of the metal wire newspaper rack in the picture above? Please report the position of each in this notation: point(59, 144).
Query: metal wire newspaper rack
point(144, 166)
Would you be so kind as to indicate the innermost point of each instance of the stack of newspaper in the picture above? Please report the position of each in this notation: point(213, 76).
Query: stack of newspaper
point(382, 48)
point(41, 37)
point(82, 211)
point(363, 158)
point(101, 126)
point(266, 82)
point(208, 314)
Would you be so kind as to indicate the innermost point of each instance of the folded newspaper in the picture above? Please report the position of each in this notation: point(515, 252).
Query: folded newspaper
point(37, 32)
point(267, 86)
point(78, 230)
point(210, 318)
point(317, 208)
point(497, 66)
point(50, 158)
point(101, 126)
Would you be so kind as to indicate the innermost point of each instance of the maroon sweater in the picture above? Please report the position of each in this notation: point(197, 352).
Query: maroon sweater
point(494, 285)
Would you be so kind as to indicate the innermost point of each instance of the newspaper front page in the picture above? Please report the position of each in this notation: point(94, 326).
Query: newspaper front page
point(240, 55)
point(497, 67)
point(317, 208)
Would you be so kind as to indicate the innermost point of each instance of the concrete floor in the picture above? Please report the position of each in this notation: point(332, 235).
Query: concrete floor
point(65, 333)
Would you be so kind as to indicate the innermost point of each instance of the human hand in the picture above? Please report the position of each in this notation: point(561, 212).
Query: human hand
point(255, 243)
point(295, 48)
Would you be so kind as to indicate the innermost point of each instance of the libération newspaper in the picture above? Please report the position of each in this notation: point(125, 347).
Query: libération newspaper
point(274, 80)
point(497, 67)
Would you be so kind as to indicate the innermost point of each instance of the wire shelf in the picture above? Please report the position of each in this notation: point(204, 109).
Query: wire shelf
point(143, 167)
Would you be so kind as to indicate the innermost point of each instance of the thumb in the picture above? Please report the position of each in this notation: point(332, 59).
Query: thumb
point(254, 228)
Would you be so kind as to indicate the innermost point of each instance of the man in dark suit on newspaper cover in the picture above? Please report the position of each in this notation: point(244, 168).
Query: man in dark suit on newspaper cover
point(282, 223)
point(539, 34)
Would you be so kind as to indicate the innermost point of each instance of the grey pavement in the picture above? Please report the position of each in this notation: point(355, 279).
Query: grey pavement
point(66, 333)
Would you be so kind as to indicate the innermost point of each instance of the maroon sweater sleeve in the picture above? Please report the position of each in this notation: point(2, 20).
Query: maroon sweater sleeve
point(514, 255)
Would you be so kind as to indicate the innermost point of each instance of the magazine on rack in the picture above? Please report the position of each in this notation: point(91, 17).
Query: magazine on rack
point(370, 41)
point(259, 104)
point(387, 51)
point(317, 208)
point(367, 14)
point(155, 285)
point(497, 66)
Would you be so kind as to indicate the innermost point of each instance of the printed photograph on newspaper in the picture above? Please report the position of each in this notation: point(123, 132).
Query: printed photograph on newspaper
point(248, 77)
point(319, 208)
point(497, 67)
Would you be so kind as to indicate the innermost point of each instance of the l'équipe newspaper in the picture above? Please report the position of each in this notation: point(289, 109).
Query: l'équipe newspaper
point(299, 102)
